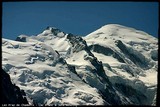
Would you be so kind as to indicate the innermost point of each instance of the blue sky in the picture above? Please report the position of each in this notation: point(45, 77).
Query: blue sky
point(81, 18)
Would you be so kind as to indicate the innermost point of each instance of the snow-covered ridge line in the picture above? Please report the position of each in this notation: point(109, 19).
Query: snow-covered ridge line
point(112, 65)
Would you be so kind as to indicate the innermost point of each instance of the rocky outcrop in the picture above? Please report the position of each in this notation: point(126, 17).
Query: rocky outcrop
point(136, 57)
point(21, 38)
point(76, 42)
point(54, 30)
point(106, 51)
point(10, 93)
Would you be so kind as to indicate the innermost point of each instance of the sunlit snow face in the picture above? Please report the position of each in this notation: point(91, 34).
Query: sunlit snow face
point(54, 68)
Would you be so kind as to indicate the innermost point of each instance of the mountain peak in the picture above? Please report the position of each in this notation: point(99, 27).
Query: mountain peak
point(113, 25)
point(52, 31)
point(112, 65)
point(51, 28)
point(116, 31)
point(116, 26)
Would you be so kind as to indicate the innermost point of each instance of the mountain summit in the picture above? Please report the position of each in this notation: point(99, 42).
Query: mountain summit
point(114, 65)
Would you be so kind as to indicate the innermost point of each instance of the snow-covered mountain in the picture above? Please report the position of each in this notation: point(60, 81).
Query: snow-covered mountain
point(114, 65)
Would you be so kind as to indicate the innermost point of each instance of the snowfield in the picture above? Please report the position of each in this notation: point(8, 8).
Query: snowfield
point(114, 65)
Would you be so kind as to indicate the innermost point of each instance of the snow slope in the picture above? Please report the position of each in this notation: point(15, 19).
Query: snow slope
point(129, 54)
point(37, 69)
point(114, 65)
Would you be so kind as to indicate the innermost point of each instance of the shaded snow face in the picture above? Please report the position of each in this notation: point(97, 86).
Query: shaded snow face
point(114, 65)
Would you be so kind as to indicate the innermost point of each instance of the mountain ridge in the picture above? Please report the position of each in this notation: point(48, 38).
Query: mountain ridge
point(114, 60)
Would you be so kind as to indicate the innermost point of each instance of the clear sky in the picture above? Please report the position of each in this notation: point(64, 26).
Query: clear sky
point(81, 18)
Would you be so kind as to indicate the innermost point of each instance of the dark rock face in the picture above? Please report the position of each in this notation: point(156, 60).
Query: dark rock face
point(154, 55)
point(10, 93)
point(54, 30)
point(134, 95)
point(21, 38)
point(77, 42)
point(136, 57)
point(113, 98)
point(106, 51)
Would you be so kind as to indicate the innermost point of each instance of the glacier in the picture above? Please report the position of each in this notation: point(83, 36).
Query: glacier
point(114, 65)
